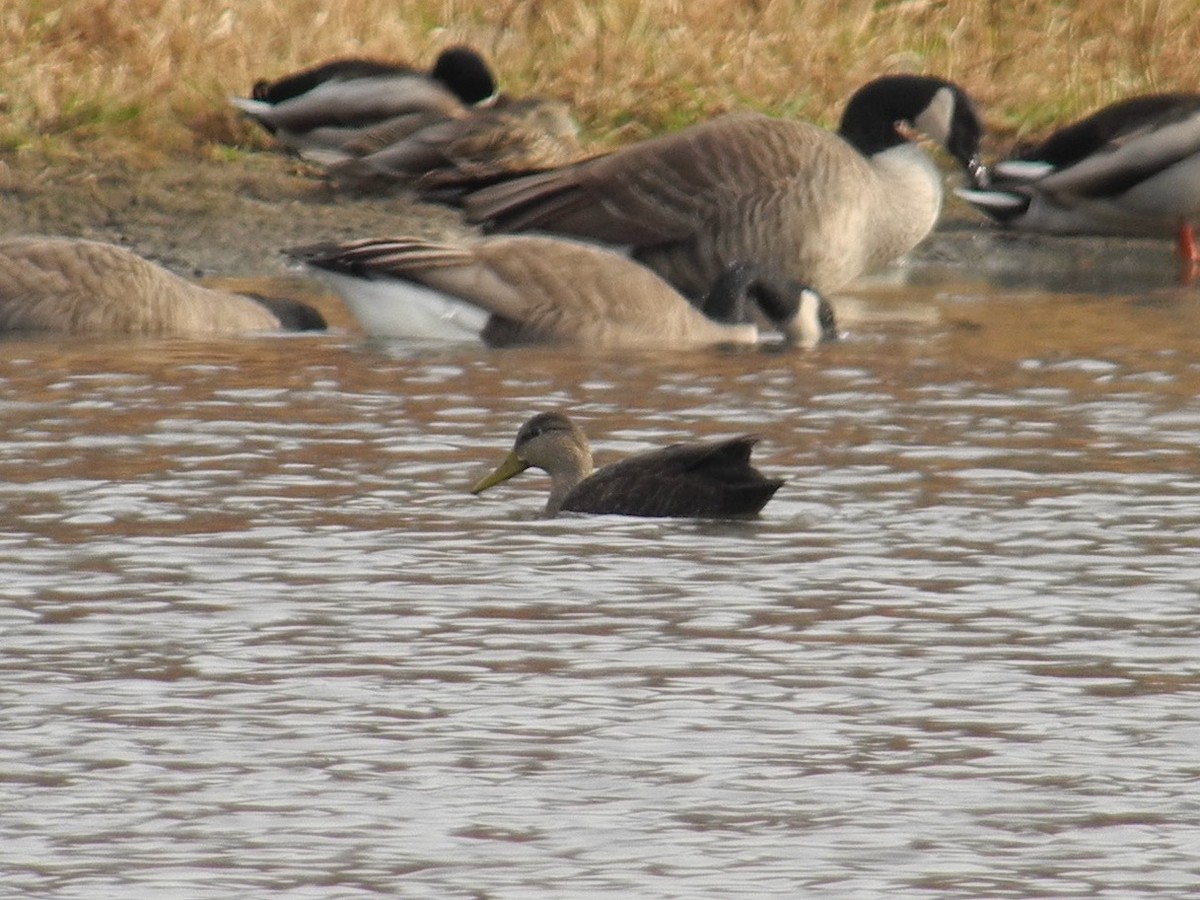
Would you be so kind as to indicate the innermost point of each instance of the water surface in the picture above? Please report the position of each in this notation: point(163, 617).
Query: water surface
point(258, 640)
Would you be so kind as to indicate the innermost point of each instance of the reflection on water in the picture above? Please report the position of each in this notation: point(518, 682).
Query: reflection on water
point(258, 639)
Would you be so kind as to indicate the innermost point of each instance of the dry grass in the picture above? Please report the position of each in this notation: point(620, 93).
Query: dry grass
point(132, 79)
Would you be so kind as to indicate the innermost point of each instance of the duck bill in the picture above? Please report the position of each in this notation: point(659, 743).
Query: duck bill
point(512, 465)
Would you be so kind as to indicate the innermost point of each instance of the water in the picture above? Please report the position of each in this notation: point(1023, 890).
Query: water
point(258, 639)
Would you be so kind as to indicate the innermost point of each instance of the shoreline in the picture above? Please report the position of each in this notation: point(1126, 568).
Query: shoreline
point(204, 219)
point(230, 220)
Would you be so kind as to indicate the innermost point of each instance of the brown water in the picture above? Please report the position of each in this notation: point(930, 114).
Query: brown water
point(259, 641)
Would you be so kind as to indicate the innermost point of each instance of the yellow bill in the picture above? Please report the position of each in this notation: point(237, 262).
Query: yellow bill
point(512, 465)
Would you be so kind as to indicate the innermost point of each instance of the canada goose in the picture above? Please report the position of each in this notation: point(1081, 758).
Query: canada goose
point(480, 146)
point(328, 105)
point(509, 289)
point(1130, 168)
point(86, 287)
point(818, 206)
point(710, 479)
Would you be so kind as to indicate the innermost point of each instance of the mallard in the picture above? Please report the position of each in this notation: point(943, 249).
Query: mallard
point(509, 289)
point(1130, 168)
point(74, 286)
point(324, 107)
point(818, 206)
point(480, 146)
point(710, 479)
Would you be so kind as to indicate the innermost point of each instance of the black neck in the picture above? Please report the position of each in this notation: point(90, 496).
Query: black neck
point(729, 299)
point(293, 315)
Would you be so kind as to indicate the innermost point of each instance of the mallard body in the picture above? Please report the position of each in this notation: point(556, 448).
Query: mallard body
point(323, 108)
point(1131, 168)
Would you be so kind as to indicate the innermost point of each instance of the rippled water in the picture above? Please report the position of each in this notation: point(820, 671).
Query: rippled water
point(259, 641)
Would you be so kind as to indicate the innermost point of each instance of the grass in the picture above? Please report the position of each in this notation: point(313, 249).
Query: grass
point(134, 80)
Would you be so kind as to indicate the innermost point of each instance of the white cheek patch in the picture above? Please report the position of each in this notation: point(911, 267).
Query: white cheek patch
point(935, 120)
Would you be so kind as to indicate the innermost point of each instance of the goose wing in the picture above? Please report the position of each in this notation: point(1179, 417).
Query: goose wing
point(85, 287)
point(652, 192)
point(538, 288)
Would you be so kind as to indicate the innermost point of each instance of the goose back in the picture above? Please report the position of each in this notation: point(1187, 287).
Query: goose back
point(744, 186)
point(533, 289)
point(87, 287)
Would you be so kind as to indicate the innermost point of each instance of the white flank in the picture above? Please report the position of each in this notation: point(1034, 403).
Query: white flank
point(390, 308)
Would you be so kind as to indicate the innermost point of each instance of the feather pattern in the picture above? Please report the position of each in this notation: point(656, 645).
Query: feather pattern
point(86, 287)
point(541, 289)
point(807, 202)
point(1131, 168)
point(322, 108)
point(448, 153)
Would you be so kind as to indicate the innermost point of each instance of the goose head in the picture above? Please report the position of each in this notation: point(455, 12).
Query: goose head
point(802, 315)
point(876, 116)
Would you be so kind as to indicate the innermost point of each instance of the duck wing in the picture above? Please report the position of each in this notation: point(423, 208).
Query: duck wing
point(1129, 159)
point(1075, 142)
point(711, 479)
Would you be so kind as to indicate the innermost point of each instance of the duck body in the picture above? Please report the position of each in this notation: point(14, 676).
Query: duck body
point(73, 286)
point(1131, 168)
point(323, 108)
point(476, 147)
point(514, 289)
point(817, 206)
point(708, 479)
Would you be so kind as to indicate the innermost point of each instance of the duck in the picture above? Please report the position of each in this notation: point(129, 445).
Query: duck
point(1130, 168)
point(706, 479)
point(328, 105)
point(479, 147)
point(75, 286)
point(521, 289)
point(819, 206)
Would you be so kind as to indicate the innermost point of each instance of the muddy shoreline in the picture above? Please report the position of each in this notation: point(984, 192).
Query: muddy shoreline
point(205, 219)
point(231, 219)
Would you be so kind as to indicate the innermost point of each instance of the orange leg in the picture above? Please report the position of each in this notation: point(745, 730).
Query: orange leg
point(1187, 242)
point(1189, 253)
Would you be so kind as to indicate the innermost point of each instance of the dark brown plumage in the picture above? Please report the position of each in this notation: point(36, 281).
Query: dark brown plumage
point(709, 479)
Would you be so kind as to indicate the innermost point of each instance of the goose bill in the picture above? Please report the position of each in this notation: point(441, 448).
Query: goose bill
point(513, 465)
